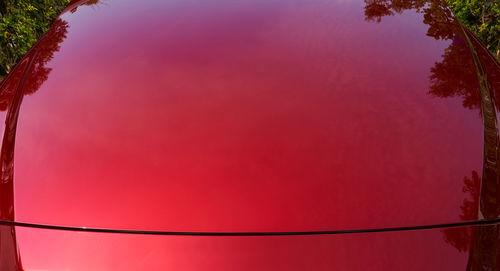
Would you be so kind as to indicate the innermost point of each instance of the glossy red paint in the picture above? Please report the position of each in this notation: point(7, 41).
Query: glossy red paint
point(251, 116)
point(436, 249)
point(248, 116)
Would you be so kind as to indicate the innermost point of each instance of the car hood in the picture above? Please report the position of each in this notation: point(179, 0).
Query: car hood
point(433, 249)
point(246, 116)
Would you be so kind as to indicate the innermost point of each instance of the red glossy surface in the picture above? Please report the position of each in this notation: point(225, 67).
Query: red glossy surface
point(436, 249)
point(276, 123)
point(249, 116)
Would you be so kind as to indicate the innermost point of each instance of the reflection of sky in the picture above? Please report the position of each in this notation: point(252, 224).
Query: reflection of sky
point(234, 117)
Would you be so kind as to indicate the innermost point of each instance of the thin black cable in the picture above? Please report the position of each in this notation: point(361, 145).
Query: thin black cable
point(187, 233)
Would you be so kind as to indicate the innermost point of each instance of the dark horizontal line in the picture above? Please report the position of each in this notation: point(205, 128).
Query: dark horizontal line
point(187, 233)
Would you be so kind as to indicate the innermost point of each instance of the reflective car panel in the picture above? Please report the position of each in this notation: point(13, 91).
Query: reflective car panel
point(233, 116)
point(461, 248)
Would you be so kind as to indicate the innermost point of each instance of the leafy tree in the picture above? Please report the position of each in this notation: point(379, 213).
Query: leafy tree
point(22, 23)
point(482, 17)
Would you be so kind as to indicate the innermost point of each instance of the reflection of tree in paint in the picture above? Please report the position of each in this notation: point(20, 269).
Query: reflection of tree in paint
point(376, 9)
point(469, 206)
point(454, 75)
point(25, 79)
point(84, 3)
point(50, 43)
point(461, 237)
point(450, 77)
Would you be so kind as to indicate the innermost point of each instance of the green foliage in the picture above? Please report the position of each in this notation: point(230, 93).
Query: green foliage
point(482, 17)
point(22, 23)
